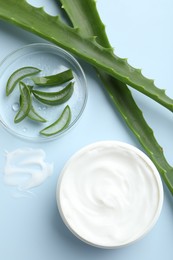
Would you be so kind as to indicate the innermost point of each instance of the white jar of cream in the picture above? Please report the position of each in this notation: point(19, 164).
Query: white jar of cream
point(109, 194)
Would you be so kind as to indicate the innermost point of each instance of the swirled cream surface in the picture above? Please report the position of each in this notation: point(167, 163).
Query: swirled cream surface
point(109, 194)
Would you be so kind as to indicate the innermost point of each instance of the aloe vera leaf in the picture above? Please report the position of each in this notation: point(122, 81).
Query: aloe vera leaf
point(133, 116)
point(118, 91)
point(37, 21)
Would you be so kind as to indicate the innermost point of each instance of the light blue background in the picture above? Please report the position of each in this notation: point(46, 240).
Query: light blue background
point(31, 228)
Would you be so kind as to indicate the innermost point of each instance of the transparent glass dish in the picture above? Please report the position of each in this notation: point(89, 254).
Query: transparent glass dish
point(50, 60)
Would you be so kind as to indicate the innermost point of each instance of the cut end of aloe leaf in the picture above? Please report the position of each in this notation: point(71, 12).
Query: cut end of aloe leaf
point(18, 75)
point(59, 125)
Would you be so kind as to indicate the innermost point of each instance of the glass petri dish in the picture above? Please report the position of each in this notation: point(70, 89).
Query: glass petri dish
point(50, 60)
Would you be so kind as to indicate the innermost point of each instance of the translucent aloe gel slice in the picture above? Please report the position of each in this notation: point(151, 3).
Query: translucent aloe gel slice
point(54, 98)
point(54, 80)
point(18, 75)
point(33, 115)
point(60, 124)
point(25, 103)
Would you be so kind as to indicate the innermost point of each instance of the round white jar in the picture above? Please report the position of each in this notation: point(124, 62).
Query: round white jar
point(109, 194)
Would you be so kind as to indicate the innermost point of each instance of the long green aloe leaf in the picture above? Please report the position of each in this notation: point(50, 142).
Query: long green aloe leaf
point(118, 91)
point(37, 21)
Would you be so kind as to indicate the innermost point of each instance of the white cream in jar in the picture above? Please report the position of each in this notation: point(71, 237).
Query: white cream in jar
point(109, 194)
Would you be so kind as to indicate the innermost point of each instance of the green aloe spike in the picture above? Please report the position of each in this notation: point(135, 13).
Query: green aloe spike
point(118, 91)
point(37, 21)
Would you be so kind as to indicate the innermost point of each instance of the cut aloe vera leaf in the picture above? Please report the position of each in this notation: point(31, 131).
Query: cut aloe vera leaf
point(53, 29)
point(33, 115)
point(25, 103)
point(54, 98)
point(18, 75)
point(54, 80)
point(60, 124)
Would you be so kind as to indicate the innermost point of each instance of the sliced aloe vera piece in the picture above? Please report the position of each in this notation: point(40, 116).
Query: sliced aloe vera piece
point(54, 80)
point(54, 98)
point(60, 124)
point(25, 103)
point(18, 75)
point(35, 116)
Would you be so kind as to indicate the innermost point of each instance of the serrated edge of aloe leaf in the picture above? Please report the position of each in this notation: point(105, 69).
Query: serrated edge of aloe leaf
point(9, 88)
point(52, 28)
point(121, 95)
point(66, 109)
